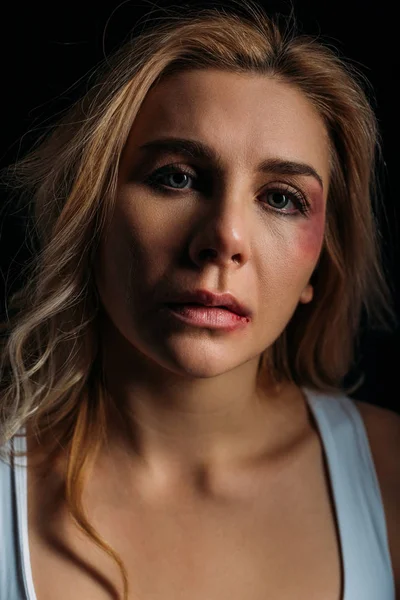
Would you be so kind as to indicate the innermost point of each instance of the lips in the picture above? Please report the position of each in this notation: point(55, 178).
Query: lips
point(209, 299)
point(198, 305)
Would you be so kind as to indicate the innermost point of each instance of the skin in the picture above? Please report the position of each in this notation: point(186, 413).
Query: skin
point(187, 396)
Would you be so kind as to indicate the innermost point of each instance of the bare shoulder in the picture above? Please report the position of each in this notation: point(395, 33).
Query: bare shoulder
point(383, 430)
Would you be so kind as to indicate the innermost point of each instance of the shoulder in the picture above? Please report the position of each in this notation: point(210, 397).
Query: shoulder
point(383, 430)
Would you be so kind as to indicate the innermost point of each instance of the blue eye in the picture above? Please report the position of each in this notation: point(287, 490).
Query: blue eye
point(279, 198)
point(168, 173)
point(283, 196)
point(177, 178)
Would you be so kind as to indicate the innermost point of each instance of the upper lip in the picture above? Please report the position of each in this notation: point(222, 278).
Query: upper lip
point(208, 298)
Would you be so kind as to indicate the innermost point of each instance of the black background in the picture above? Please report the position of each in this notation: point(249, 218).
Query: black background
point(48, 50)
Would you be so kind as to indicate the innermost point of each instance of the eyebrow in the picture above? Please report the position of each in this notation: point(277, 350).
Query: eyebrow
point(200, 151)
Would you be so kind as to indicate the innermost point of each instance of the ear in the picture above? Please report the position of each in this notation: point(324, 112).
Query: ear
point(307, 294)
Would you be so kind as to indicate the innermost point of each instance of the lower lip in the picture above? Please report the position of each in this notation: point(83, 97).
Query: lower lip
point(213, 318)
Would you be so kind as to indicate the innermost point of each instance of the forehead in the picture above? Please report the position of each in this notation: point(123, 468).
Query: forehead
point(244, 117)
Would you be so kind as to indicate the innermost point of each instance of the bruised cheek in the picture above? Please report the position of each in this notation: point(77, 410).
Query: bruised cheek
point(310, 234)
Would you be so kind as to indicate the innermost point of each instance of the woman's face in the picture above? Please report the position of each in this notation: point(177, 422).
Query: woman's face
point(265, 247)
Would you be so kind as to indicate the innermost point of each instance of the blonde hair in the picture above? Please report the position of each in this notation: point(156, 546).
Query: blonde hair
point(51, 359)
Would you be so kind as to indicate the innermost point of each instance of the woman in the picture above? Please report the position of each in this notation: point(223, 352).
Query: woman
point(172, 373)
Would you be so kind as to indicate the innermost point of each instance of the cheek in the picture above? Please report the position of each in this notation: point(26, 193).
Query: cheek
point(309, 238)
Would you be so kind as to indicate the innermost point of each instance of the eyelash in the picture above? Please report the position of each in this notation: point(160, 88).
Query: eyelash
point(294, 195)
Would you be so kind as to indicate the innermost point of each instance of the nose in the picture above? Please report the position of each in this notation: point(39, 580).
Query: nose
point(222, 237)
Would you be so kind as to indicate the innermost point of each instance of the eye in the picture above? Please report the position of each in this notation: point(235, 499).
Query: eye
point(281, 197)
point(174, 178)
point(179, 179)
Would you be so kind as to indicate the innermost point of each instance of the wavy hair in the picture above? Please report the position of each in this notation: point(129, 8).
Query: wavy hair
point(51, 363)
